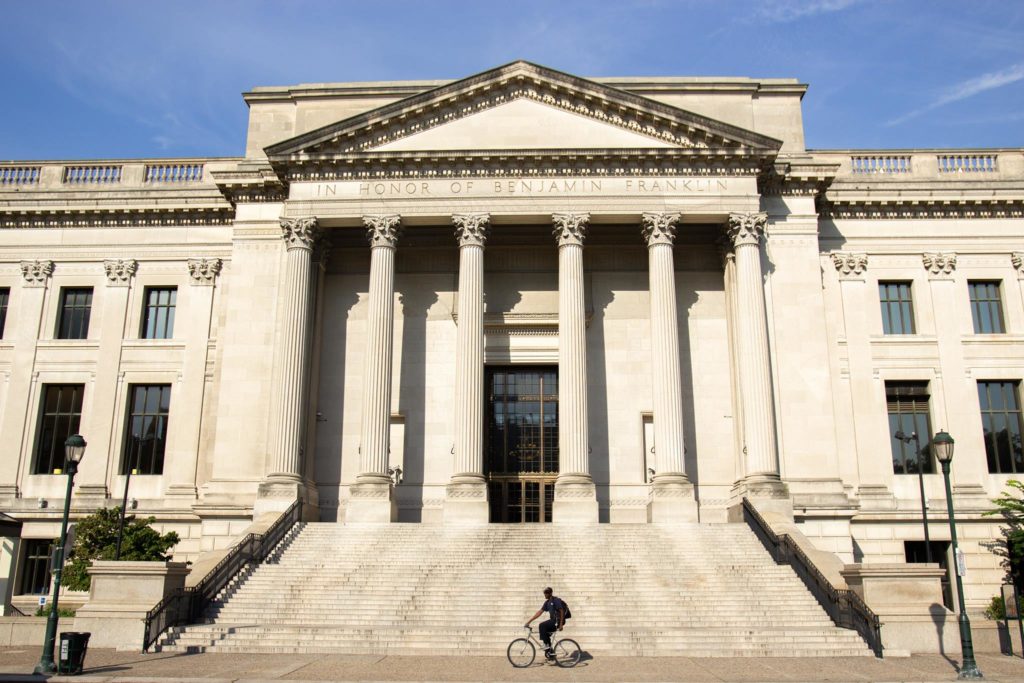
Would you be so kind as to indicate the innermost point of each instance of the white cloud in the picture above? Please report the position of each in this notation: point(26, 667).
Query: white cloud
point(966, 89)
point(781, 11)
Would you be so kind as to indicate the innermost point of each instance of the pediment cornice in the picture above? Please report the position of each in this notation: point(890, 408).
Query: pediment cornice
point(673, 132)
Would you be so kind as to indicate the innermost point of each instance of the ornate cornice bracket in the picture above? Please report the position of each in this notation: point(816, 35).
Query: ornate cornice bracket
point(1017, 259)
point(472, 229)
point(659, 228)
point(850, 265)
point(570, 228)
point(36, 273)
point(383, 230)
point(120, 271)
point(939, 263)
point(746, 228)
point(204, 271)
point(300, 233)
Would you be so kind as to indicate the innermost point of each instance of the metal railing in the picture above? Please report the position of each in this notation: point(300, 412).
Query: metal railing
point(187, 606)
point(846, 608)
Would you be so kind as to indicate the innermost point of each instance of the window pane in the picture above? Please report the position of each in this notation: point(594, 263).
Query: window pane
point(158, 318)
point(897, 307)
point(59, 418)
point(5, 295)
point(76, 305)
point(1001, 422)
point(146, 429)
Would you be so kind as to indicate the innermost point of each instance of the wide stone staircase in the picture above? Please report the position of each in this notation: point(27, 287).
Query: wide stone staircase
point(693, 590)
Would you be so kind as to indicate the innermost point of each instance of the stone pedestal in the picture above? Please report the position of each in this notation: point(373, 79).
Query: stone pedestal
point(120, 596)
point(575, 496)
point(908, 601)
point(371, 501)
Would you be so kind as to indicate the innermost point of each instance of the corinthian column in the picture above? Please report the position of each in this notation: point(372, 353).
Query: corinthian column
point(575, 497)
point(745, 231)
point(466, 496)
point(370, 497)
point(672, 497)
point(300, 234)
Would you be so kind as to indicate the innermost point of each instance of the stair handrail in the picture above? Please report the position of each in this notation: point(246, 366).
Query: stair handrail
point(187, 605)
point(845, 607)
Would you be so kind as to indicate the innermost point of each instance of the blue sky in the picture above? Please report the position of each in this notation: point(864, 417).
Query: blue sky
point(105, 79)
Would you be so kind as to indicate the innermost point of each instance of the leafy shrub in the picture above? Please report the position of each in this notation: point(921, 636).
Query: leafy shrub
point(96, 539)
point(61, 611)
point(997, 608)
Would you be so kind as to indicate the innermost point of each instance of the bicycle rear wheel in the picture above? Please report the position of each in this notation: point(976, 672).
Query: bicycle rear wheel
point(567, 653)
point(521, 653)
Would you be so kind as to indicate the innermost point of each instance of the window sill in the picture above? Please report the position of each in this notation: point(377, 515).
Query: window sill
point(153, 344)
point(77, 344)
point(902, 339)
point(996, 339)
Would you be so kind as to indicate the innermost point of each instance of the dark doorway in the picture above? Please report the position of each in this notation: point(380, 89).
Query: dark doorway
point(522, 442)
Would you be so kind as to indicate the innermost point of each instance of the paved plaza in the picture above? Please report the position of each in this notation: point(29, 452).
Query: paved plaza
point(123, 667)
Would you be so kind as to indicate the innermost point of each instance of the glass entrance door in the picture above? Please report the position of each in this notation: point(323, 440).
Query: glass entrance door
point(522, 442)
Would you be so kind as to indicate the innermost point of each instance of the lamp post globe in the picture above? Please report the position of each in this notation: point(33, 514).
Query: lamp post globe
point(942, 446)
point(74, 450)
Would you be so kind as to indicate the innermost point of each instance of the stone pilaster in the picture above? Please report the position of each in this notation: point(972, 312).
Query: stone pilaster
point(672, 498)
point(466, 495)
point(370, 498)
point(761, 480)
point(284, 483)
point(575, 496)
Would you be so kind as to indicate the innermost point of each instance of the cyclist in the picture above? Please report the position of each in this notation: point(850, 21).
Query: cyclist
point(556, 610)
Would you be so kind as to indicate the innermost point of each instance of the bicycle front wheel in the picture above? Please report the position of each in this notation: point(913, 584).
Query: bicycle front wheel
point(567, 653)
point(521, 653)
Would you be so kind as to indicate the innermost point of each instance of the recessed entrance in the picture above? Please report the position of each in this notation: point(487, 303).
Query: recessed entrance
point(522, 442)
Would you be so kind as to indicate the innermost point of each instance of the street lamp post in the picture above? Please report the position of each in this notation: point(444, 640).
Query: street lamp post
point(132, 462)
point(920, 482)
point(74, 449)
point(942, 445)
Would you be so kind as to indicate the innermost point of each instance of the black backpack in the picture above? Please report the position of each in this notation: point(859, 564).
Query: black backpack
point(568, 614)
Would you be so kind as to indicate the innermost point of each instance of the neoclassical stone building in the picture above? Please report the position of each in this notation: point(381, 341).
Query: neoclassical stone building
point(523, 296)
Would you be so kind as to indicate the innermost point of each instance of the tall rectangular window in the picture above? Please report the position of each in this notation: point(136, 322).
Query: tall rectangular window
point(907, 403)
point(146, 435)
point(35, 566)
point(75, 307)
point(158, 321)
point(1001, 420)
point(986, 308)
point(897, 307)
point(59, 418)
point(5, 296)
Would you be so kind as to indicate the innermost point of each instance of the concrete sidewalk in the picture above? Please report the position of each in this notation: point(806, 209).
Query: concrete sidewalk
point(124, 667)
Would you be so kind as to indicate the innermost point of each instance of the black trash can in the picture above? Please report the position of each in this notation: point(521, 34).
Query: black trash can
point(71, 657)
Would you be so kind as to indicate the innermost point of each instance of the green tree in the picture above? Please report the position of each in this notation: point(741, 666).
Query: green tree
point(1010, 506)
point(96, 539)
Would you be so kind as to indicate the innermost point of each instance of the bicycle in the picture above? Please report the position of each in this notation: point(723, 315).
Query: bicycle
point(522, 651)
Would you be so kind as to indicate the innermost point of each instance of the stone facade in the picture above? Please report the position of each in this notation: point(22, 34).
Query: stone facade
point(710, 301)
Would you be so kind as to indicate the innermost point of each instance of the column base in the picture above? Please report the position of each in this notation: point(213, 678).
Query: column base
point(575, 501)
point(278, 491)
point(672, 500)
point(371, 501)
point(767, 491)
point(465, 502)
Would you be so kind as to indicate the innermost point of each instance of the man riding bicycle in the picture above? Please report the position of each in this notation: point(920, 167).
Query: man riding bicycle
point(555, 608)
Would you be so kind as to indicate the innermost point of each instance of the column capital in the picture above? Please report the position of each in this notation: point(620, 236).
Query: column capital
point(472, 229)
point(204, 271)
point(746, 228)
point(120, 271)
point(36, 273)
point(570, 228)
point(659, 228)
point(1017, 259)
point(300, 233)
point(383, 230)
point(939, 263)
point(849, 264)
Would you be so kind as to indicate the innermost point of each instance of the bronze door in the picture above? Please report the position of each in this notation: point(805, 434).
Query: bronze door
point(522, 442)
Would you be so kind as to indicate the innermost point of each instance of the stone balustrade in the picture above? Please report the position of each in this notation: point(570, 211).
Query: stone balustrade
point(926, 164)
point(109, 174)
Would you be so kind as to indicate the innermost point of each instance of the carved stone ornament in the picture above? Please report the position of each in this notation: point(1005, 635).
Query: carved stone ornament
point(120, 271)
point(36, 272)
point(939, 263)
point(204, 271)
point(659, 228)
point(471, 229)
point(300, 233)
point(849, 264)
point(746, 228)
point(383, 230)
point(1017, 259)
point(570, 228)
